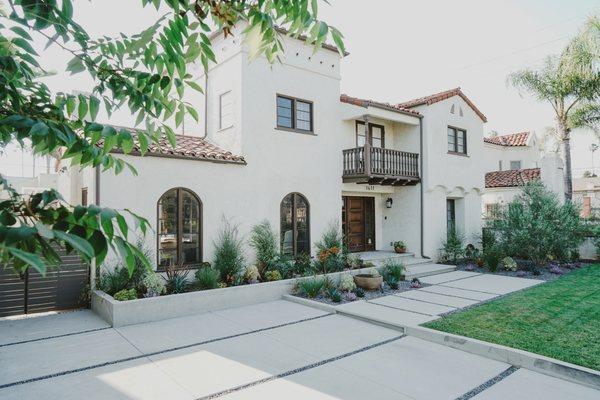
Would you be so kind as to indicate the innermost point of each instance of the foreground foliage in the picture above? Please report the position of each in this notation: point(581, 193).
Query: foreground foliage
point(558, 319)
point(146, 73)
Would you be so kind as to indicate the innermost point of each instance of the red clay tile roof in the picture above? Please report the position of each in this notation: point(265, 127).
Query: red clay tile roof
point(514, 139)
point(434, 98)
point(188, 147)
point(344, 98)
point(511, 178)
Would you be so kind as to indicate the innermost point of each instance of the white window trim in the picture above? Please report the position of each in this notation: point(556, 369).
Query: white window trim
point(221, 127)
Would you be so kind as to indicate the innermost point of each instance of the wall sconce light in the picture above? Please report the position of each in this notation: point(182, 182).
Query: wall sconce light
point(389, 202)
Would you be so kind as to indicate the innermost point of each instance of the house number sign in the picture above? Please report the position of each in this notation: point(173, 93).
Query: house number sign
point(370, 187)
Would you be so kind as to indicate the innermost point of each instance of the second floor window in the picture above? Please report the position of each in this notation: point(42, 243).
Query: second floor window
point(515, 165)
point(294, 114)
point(457, 140)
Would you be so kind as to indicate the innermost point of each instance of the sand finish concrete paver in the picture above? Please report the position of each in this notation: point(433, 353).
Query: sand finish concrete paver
point(138, 379)
point(528, 385)
point(30, 360)
point(379, 313)
point(331, 336)
point(218, 366)
point(465, 294)
point(325, 382)
point(441, 299)
point(52, 324)
point(496, 284)
point(449, 276)
point(422, 370)
point(412, 305)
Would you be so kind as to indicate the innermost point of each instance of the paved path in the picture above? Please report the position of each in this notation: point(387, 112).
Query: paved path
point(269, 351)
point(448, 292)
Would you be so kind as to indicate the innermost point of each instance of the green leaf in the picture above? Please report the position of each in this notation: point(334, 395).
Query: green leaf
point(75, 66)
point(94, 107)
point(195, 86)
point(30, 259)
point(122, 225)
point(24, 44)
point(82, 108)
point(21, 32)
point(39, 129)
point(44, 231)
point(79, 244)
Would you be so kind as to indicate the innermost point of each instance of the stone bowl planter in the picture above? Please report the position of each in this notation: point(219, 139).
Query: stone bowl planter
point(368, 282)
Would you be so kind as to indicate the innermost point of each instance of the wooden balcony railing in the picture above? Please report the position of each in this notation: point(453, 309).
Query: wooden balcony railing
point(375, 165)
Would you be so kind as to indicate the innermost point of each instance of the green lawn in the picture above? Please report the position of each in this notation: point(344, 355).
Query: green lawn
point(558, 319)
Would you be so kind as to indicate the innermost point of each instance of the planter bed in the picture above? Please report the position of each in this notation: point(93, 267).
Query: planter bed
point(121, 313)
point(403, 286)
point(525, 266)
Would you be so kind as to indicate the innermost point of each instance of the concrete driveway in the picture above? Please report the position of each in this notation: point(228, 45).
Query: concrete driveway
point(264, 351)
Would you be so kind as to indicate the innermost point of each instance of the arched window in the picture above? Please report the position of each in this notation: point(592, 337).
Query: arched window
point(179, 228)
point(295, 225)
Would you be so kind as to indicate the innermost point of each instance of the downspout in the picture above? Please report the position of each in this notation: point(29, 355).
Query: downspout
point(421, 164)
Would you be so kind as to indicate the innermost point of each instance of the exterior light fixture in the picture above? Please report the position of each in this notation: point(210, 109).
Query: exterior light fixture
point(389, 202)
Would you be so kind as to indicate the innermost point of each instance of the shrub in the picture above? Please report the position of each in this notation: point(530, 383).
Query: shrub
point(113, 281)
point(311, 287)
point(176, 280)
point(332, 237)
point(536, 226)
point(153, 285)
point(282, 264)
point(264, 242)
point(125, 294)
point(207, 278)
point(472, 252)
point(492, 256)
point(392, 270)
point(251, 274)
point(347, 283)
point(354, 262)
point(229, 258)
point(119, 278)
point(509, 264)
point(330, 252)
point(303, 264)
point(273, 276)
point(452, 248)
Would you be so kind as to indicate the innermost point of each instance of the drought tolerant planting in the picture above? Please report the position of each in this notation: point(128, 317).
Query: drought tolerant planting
point(558, 319)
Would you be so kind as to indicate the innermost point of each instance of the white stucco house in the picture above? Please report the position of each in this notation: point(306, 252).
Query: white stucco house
point(513, 160)
point(279, 142)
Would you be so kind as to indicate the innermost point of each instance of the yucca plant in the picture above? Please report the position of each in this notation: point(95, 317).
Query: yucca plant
point(311, 287)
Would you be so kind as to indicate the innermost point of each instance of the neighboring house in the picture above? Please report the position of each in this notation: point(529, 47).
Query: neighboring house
point(280, 143)
point(512, 161)
point(586, 193)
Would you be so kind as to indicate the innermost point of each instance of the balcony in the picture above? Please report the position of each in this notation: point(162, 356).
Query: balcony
point(377, 166)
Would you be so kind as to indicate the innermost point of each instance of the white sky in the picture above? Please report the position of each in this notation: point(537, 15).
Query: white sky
point(405, 49)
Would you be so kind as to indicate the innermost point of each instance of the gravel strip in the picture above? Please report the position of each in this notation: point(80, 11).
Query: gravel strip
point(298, 370)
point(55, 336)
point(525, 266)
point(489, 383)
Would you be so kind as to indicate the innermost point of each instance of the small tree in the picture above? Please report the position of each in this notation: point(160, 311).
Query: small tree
point(536, 226)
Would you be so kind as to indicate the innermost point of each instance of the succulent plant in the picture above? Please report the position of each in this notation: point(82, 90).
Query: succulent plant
point(509, 264)
point(334, 295)
point(347, 283)
point(415, 283)
point(470, 267)
point(251, 274)
point(350, 296)
point(555, 269)
point(360, 292)
point(535, 271)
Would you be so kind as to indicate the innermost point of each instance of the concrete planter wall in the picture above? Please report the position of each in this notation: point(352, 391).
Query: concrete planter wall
point(120, 313)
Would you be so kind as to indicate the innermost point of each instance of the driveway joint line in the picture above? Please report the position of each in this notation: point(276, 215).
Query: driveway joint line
point(452, 295)
point(489, 383)
point(472, 290)
point(457, 279)
point(146, 355)
point(298, 370)
point(401, 309)
point(55, 336)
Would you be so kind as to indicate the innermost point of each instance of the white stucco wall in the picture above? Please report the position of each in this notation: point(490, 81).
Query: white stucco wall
point(528, 155)
point(450, 176)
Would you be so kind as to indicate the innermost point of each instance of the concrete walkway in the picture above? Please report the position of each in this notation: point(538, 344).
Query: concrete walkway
point(449, 292)
point(271, 350)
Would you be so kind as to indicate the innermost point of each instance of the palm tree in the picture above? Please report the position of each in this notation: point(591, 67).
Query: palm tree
point(570, 82)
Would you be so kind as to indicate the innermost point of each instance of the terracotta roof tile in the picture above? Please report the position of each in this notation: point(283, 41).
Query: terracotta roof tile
point(511, 178)
point(514, 139)
point(434, 98)
point(188, 147)
point(372, 103)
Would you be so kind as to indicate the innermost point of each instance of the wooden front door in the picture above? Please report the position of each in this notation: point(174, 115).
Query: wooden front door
point(358, 220)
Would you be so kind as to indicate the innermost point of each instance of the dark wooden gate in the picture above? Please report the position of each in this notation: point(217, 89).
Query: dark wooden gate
point(60, 289)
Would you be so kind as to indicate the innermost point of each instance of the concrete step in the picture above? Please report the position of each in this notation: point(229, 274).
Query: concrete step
point(427, 269)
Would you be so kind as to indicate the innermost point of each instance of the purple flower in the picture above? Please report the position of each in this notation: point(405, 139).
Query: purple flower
point(415, 284)
point(555, 269)
point(470, 267)
point(350, 296)
point(520, 274)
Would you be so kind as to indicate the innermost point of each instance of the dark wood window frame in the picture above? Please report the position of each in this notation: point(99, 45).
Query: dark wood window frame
point(294, 128)
point(361, 125)
point(84, 196)
point(455, 131)
point(450, 216)
point(295, 196)
point(179, 226)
